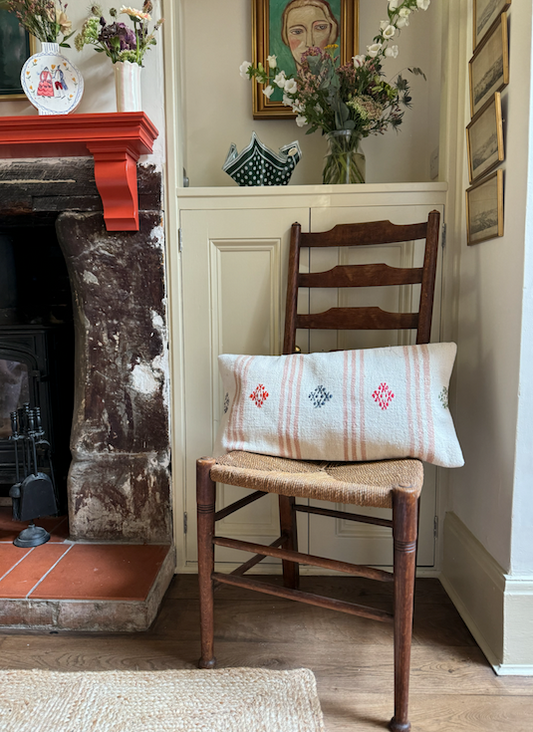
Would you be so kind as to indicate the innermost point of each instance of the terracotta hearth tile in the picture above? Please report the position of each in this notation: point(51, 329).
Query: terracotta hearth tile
point(103, 572)
point(9, 556)
point(23, 578)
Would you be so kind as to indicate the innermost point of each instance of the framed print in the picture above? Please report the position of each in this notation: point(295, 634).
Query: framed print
point(489, 66)
point(485, 13)
point(16, 46)
point(287, 28)
point(484, 209)
point(484, 139)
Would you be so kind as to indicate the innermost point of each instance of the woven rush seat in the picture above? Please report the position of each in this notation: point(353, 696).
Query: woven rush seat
point(362, 484)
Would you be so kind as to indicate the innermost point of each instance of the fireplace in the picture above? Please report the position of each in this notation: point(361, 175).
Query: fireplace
point(118, 486)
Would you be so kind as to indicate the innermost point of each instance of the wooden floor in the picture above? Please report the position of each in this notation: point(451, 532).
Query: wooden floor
point(453, 689)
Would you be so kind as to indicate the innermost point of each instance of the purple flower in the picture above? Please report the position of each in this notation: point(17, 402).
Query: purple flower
point(118, 33)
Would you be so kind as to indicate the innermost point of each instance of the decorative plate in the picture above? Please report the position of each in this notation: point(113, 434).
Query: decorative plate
point(51, 82)
point(257, 165)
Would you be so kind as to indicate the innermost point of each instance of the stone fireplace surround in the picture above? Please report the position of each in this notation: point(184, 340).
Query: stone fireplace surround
point(119, 481)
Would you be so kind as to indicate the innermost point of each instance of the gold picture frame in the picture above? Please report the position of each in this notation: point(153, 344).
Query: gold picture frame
point(486, 13)
point(16, 46)
point(267, 39)
point(484, 209)
point(489, 66)
point(484, 139)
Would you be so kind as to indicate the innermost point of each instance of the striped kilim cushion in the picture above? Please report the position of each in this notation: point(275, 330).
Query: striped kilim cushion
point(360, 405)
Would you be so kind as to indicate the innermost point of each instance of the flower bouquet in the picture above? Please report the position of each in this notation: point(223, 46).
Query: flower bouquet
point(346, 102)
point(44, 19)
point(118, 41)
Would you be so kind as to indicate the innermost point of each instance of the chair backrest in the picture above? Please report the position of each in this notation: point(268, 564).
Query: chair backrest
point(363, 275)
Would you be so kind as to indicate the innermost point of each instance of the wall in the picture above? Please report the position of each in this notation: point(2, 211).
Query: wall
point(97, 72)
point(488, 557)
point(218, 102)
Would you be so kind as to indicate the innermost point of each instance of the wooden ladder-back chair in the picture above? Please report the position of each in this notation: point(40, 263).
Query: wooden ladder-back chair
point(400, 490)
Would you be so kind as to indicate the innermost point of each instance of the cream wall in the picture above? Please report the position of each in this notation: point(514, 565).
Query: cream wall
point(217, 101)
point(492, 494)
point(97, 72)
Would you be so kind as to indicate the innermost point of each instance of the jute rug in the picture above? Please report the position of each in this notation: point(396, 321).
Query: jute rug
point(226, 700)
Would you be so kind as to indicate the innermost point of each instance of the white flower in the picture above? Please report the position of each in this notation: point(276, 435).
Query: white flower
point(268, 91)
point(391, 52)
point(280, 79)
point(404, 13)
point(133, 13)
point(301, 121)
point(393, 4)
point(423, 4)
point(291, 87)
point(358, 60)
point(402, 22)
point(272, 61)
point(388, 32)
point(243, 68)
point(374, 49)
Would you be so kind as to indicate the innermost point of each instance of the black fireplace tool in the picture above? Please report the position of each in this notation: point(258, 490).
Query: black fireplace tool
point(34, 493)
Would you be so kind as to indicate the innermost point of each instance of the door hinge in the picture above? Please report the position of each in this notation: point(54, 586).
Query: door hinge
point(443, 239)
point(180, 241)
point(435, 527)
point(185, 523)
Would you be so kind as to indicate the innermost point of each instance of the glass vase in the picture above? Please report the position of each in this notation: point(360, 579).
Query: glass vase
point(343, 162)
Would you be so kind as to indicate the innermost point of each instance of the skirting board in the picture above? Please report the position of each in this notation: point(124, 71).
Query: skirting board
point(497, 608)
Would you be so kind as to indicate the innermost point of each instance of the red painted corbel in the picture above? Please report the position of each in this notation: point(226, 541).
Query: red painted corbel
point(115, 140)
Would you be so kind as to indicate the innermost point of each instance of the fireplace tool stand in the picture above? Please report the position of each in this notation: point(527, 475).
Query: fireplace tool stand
point(34, 493)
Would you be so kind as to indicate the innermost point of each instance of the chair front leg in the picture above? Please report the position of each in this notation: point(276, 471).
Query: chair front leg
point(405, 515)
point(287, 521)
point(205, 506)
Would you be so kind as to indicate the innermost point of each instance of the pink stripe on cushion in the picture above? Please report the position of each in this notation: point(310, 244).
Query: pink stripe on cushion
point(419, 426)
point(430, 425)
point(290, 406)
point(346, 404)
point(283, 446)
point(362, 433)
point(297, 402)
point(409, 401)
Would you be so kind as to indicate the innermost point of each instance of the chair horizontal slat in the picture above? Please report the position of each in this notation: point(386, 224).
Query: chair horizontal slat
point(376, 232)
point(371, 318)
point(344, 515)
point(308, 597)
point(362, 275)
point(313, 561)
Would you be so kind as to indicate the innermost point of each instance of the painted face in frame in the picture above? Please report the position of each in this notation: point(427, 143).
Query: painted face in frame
point(307, 27)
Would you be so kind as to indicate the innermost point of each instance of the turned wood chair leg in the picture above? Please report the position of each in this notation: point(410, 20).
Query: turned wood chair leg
point(405, 515)
point(287, 520)
point(205, 496)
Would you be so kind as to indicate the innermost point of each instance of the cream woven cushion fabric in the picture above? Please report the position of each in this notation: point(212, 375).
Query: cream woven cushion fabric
point(371, 404)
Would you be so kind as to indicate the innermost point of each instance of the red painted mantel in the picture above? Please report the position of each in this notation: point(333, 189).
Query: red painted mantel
point(116, 140)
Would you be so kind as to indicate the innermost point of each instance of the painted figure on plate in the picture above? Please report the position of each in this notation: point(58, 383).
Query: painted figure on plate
point(45, 88)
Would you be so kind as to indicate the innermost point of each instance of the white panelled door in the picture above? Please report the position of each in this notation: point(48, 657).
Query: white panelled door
point(234, 266)
point(234, 269)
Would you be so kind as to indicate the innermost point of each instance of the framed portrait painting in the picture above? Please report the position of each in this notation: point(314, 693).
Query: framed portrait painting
point(485, 14)
point(484, 209)
point(287, 28)
point(484, 138)
point(489, 66)
point(16, 46)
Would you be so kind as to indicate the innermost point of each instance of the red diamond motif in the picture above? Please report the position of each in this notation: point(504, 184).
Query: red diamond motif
point(259, 395)
point(383, 395)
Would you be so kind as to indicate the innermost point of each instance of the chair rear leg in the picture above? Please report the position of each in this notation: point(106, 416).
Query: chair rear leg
point(287, 520)
point(405, 515)
point(205, 505)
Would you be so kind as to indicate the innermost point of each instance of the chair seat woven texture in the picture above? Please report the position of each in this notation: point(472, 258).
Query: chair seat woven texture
point(363, 484)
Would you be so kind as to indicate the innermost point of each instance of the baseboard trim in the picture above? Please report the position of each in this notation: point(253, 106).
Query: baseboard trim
point(496, 607)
